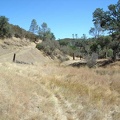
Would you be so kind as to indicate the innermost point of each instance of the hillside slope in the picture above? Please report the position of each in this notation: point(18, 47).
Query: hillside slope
point(44, 90)
point(25, 52)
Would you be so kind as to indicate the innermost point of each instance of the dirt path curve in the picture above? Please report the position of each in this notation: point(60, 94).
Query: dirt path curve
point(7, 57)
point(27, 54)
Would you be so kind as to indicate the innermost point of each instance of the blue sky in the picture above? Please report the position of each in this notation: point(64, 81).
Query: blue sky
point(63, 17)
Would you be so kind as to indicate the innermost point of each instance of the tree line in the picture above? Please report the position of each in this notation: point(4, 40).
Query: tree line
point(108, 21)
point(104, 45)
point(42, 31)
point(8, 30)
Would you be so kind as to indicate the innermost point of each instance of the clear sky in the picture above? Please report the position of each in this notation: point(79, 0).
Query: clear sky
point(63, 17)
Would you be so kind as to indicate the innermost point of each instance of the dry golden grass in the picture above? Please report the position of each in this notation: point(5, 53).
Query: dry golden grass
point(97, 91)
point(53, 92)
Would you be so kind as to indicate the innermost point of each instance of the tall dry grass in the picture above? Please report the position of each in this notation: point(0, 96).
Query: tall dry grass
point(49, 91)
point(98, 90)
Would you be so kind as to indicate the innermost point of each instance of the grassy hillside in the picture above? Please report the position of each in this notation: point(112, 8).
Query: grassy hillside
point(48, 90)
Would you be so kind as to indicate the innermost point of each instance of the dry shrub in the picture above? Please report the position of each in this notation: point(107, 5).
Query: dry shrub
point(91, 60)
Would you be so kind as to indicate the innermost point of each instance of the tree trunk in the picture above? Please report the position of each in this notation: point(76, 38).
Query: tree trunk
point(114, 55)
point(73, 56)
point(106, 52)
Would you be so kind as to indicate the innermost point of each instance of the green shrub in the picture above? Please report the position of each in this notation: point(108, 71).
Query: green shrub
point(49, 47)
point(110, 53)
point(39, 46)
point(63, 58)
point(4, 27)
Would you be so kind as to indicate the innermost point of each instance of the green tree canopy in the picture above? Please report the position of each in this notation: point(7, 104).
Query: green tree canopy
point(96, 31)
point(45, 32)
point(34, 27)
point(4, 27)
point(110, 20)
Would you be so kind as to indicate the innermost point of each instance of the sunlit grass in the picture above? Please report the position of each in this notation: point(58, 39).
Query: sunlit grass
point(32, 92)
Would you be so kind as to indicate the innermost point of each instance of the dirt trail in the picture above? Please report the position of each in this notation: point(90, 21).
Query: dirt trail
point(7, 57)
point(27, 54)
